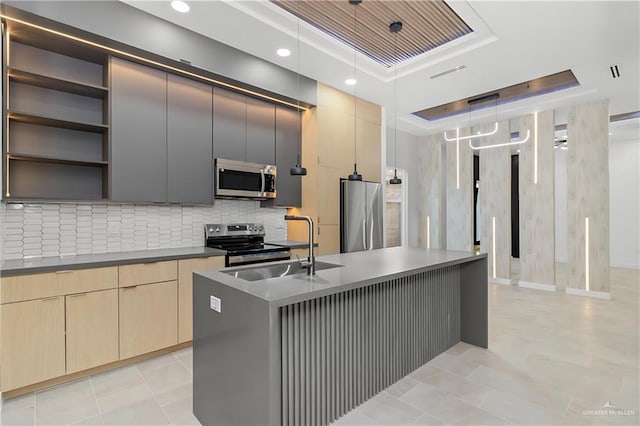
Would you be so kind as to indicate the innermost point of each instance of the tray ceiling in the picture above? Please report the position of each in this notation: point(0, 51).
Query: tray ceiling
point(427, 24)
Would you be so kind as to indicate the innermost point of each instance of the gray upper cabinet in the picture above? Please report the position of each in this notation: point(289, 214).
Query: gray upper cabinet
point(261, 132)
point(138, 133)
point(287, 148)
point(229, 125)
point(189, 141)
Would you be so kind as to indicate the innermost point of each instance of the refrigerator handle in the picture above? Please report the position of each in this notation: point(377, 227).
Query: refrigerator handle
point(364, 234)
point(371, 233)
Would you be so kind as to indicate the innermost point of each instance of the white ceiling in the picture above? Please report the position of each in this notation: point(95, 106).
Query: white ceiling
point(513, 41)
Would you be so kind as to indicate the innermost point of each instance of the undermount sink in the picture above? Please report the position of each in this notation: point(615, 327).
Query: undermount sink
point(263, 272)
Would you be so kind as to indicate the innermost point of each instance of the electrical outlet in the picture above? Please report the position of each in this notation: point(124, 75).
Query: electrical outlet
point(216, 304)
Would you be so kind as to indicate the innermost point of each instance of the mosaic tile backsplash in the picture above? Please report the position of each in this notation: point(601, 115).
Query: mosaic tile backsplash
point(43, 230)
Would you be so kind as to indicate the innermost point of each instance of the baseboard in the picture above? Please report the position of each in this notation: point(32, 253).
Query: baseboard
point(503, 281)
point(587, 293)
point(537, 286)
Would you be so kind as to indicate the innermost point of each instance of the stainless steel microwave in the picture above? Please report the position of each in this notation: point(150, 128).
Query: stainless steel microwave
point(239, 179)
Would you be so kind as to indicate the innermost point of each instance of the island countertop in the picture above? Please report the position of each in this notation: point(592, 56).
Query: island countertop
point(266, 351)
point(358, 269)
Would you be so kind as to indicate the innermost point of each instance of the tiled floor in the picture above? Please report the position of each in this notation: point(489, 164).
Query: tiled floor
point(553, 359)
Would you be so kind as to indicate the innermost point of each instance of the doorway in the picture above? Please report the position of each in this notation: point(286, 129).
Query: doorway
point(395, 214)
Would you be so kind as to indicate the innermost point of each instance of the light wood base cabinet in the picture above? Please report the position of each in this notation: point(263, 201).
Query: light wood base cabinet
point(148, 318)
point(302, 253)
point(32, 347)
point(186, 268)
point(92, 329)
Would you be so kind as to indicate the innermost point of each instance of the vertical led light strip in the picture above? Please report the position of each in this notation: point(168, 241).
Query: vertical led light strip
point(457, 158)
point(428, 232)
point(586, 253)
point(493, 244)
point(535, 148)
point(6, 109)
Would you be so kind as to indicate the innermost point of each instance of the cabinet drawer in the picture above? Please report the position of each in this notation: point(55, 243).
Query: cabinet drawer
point(85, 280)
point(38, 286)
point(146, 273)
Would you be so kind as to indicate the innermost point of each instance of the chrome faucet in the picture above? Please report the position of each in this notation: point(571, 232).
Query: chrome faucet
point(310, 263)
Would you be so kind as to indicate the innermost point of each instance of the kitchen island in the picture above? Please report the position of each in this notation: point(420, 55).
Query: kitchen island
point(301, 349)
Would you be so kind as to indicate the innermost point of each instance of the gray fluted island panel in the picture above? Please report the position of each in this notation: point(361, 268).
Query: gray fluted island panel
point(300, 350)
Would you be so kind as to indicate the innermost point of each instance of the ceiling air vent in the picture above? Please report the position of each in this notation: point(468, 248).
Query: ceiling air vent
point(615, 72)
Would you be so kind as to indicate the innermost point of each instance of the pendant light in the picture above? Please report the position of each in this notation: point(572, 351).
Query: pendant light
point(395, 28)
point(355, 175)
point(298, 170)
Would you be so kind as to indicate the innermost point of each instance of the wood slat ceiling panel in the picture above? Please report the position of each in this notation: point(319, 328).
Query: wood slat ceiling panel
point(427, 24)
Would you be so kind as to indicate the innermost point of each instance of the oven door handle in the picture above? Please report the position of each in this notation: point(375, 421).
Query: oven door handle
point(263, 177)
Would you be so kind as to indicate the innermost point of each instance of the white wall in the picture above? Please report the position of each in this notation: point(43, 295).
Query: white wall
point(408, 161)
point(624, 187)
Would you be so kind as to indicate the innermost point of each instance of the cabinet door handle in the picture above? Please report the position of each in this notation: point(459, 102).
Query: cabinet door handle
point(64, 272)
point(78, 295)
point(50, 299)
point(150, 263)
point(129, 287)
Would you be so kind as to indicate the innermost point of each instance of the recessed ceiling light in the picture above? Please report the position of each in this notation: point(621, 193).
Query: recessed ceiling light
point(180, 6)
point(283, 52)
point(350, 81)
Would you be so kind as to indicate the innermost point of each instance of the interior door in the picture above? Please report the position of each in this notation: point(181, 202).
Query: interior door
point(374, 224)
point(353, 219)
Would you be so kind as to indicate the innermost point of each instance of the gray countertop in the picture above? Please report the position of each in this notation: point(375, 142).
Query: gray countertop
point(49, 264)
point(359, 269)
point(290, 243)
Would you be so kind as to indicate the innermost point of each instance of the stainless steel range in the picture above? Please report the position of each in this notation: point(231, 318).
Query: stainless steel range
point(244, 243)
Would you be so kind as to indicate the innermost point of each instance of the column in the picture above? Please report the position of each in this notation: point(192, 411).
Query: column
point(459, 177)
point(537, 201)
point(430, 191)
point(495, 201)
point(588, 199)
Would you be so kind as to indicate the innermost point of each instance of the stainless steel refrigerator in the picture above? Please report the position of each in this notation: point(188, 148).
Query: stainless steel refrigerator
point(360, 216)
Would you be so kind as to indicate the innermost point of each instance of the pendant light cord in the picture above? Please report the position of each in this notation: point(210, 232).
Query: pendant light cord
point(395, 102)
point(355, 100)
point(299, 115)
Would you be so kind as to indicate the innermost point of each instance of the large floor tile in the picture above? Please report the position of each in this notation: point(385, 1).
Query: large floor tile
point(125, 398)
point(519, 411)
point(185, 357)
point(66, 404)
point(403, 385)
point(146, 412)
point(174, 394)
point(388, 410)
point(442, 406)
point(181, 412)
point(167, 377)
point(18, 411)
point(152, 363)
point(115, 381)
point(355, 418)
point(91, 421)
point(426, 420)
